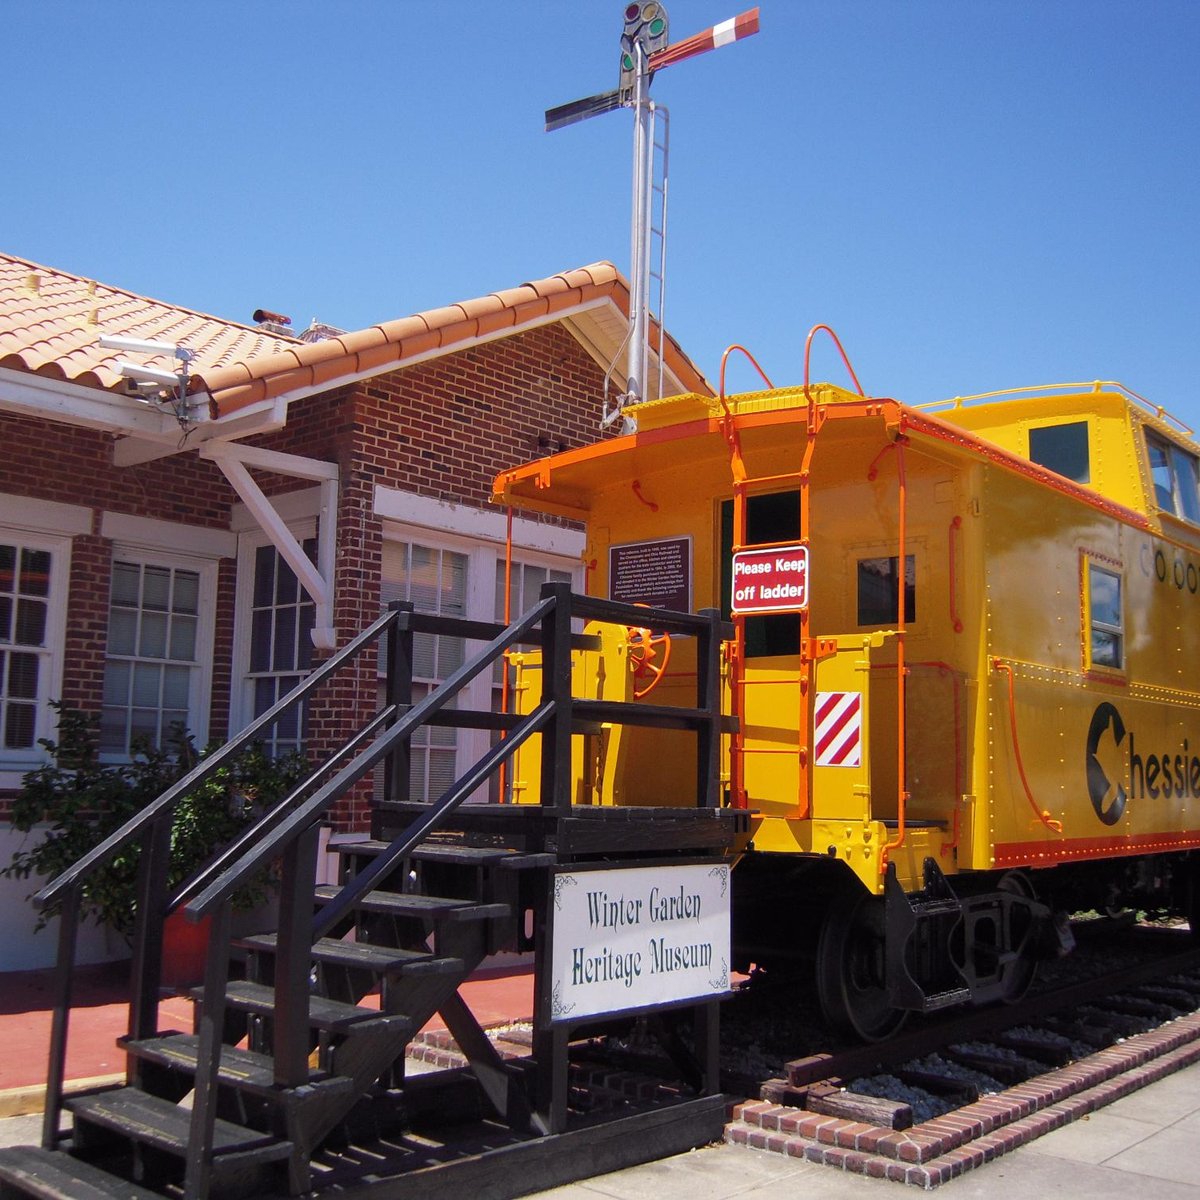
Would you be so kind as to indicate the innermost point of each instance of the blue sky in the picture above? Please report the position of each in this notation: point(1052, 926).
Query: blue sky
point(975, 193)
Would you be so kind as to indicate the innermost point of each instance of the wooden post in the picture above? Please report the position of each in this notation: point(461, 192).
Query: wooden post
point(293, 959)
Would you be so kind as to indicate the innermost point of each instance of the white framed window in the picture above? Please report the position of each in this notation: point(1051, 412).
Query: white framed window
point(158, 651)
point(279, 655)
point(434, 580)
point(34, 571)
point(449, 574)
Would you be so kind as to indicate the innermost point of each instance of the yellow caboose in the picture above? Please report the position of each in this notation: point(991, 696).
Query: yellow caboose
point(959, 695)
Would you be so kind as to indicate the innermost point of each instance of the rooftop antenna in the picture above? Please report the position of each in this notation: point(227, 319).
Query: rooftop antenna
point(644, 50)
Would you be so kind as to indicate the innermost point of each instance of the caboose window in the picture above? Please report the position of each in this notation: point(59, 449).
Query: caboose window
point(1062, 449)
point(879, 590)
point(1105, 618)
point(1176, 478)
point(772, 518)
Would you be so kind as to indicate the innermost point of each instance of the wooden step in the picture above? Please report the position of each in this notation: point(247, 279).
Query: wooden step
point(245, 1070)
point(383, 960)
point(330, 1016)
point(403, 904)
point(57, 1175)
point(155, 1122)
point(453, 853)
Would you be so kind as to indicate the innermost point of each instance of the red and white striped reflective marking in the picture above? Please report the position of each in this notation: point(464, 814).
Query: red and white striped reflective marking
point(838, 729)
point(733, 30)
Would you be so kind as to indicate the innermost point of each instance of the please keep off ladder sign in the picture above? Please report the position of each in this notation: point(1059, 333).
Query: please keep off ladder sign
point(773, 580)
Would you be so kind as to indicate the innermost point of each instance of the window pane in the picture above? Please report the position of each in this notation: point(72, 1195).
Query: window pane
point(8, 563)
point(125, 580)
point(183, 638)
point(143, 725)
point(146, 680)
point(1106, 597)
point(122, 632)
point(156, 588)
point(187, 592)
point(23, 676)
point(260, 640)
point(286, 587)
point(1106, 649)
point(19, 723)
point(6, 618)
point(264, 576)
point(116, 682)
point(114, 734)
point(1160, 473)
point(154, 635)
point(35, 572)
point(31, 622)
point(304, 643)
point(1186, 484)
point(1062, 448)
point(175, 684)
point(284, 656)
point(879, 593)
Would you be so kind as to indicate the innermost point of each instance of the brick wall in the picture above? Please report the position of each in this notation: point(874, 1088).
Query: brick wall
point(442, 429)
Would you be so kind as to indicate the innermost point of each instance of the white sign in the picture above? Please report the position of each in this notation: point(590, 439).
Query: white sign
point(637, 937)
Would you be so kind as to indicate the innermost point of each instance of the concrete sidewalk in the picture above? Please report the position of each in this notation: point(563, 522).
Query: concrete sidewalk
point(1143, 1145)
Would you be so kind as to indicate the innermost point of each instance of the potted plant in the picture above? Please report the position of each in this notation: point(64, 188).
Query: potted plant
point(83, 800)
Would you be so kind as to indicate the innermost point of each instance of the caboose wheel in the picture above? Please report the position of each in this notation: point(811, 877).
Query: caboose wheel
point(1017, 975)
point(850, 969)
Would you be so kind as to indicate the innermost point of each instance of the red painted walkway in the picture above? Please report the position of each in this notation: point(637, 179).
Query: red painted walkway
point(100, 1015)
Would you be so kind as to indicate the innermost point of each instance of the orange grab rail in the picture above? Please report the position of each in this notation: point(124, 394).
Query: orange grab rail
point(841, 350)
point(1042, 814)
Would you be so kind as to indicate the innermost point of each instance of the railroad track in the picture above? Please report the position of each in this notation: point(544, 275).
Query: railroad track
point(955, 1092)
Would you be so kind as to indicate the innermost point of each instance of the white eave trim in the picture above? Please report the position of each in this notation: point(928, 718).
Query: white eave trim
point(30, 395)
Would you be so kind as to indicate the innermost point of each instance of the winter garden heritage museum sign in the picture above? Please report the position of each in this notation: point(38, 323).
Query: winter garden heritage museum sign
point(637, 938)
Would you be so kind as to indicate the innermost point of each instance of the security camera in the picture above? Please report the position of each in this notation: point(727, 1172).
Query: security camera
point(147, 374)
point(143, 346)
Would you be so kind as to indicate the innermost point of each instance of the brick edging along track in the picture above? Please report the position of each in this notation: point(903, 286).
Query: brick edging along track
point(934, 1151)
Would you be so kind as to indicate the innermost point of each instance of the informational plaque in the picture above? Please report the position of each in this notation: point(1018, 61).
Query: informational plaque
point(657, 573)
point(638, 937)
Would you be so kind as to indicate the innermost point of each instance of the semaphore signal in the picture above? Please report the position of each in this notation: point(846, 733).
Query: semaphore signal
point(644, 50)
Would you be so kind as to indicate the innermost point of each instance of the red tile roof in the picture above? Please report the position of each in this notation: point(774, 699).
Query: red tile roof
point(50, 323)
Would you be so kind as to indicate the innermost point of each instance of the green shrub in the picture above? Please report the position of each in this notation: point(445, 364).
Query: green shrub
point(84, 800)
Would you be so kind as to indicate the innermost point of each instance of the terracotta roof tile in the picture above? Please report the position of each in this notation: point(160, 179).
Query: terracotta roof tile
point(51, 321)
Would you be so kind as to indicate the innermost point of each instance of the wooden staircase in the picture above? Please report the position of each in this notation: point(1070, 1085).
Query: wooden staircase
point(293, 1079)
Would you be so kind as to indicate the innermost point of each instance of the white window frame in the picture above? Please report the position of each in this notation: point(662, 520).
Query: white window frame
point(15, 763)
point(482, 556)
point(200, 686)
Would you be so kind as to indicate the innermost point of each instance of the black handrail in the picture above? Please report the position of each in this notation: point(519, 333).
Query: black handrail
point(268, 820)
point(303, 815)
point(118, 840)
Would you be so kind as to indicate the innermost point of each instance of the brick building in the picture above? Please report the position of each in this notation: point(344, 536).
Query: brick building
point(164, 560)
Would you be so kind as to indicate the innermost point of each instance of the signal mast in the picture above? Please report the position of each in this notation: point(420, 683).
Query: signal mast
point(644, 50)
